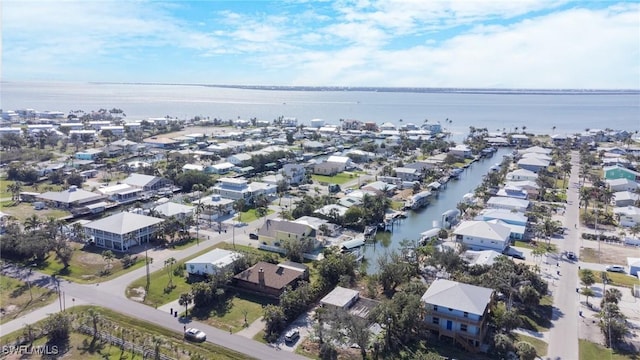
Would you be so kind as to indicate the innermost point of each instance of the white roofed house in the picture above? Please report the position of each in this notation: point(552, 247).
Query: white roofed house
point(533, 163)
point(508, 203)
point(458, 311)
point(628, 216)
point(622, 184)
point(121, 231)
point(407, 174)
point(179, 211)
point(461, 151)
point(521, 175)
point(214, 206)
point(213, 262)
point(484, 235)
point(626, 198)
point(78, 201)
point(294, 173)
point(148, 183)
point(342, 162)
point(241, 159)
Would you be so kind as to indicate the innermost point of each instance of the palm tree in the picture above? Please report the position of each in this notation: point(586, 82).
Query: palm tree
point(32, 222)
point(238, 206)
point(15, 189)
point(220, 210)
point(94, 317)
point(157, 344)
point(185, 299)
point(108, 257)
point(168, 263)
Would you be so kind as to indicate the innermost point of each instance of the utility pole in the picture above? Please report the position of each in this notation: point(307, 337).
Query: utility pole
point(147, 261)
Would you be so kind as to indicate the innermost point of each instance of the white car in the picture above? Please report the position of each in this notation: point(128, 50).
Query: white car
point(194, 334)
point(615, 268)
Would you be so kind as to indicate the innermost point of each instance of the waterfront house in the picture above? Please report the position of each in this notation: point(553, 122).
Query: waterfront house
point(521, 175)
point(535, 149)
point(122, 193)
point(533, 163)
point(460, 151)
point(222, 168)
point(148, 183)
point(213, 262)
point(458, 311)
point(507, 216)
point(619, 172)
point(622, 184)
point(387, 126)
point(161, 142)
point(513, 192)
point(274, 232)
point(121, 231)
point(530, 187)
point(76, 200)
point(271, 279)
point(237, 188)
point(241, 159)
point(483, 235)
point(508, 203)
point(629, 216)
point(407, 174)
point(340, 298)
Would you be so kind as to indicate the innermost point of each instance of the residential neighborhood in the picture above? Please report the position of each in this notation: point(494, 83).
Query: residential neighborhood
point(285, 237)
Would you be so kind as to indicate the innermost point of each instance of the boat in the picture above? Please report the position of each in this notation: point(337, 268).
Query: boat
point(419, 200)
point(428, 235)
point(434, 186)
point(455, 173)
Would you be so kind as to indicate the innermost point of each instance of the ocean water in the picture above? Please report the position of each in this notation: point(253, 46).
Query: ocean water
point(539, 113)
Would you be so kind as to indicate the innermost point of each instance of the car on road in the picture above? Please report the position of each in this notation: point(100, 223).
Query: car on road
point(571, 255)
point(194, 334)
point(615, 268)
point(292, 336)
point(253, 236)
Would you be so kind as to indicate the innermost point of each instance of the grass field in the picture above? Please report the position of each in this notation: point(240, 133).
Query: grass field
point(540, 346)
point(22, 211)
point(539, 318)
point(249, 216)
point(134, 331)
point(336, 179)
point(619, 279)
point(18, 298)
point(86, 265)
point(231, 313)
point(592, 351)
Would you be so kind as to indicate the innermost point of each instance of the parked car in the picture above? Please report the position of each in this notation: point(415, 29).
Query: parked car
point(292, 336)
point(194, 334)
point(615, 268)
point(571, 255)
point(253, 236)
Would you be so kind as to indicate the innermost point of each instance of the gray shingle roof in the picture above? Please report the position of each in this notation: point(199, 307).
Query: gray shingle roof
point(70, 195)
point(464, 297)
point(123, 223)
point(270, 228)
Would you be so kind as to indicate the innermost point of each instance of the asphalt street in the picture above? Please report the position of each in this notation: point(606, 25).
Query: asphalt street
point(111, 295)
point(563, 335)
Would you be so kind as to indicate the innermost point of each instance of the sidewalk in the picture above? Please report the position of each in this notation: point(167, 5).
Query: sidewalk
point(253, 328)
point(36, 315)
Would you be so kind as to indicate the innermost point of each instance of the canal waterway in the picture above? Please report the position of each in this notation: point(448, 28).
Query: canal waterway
point(424, 219)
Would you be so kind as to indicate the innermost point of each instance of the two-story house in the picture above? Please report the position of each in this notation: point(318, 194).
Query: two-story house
point(458, 311)
point(484, 235)
point(274, 232)
point(121, 231)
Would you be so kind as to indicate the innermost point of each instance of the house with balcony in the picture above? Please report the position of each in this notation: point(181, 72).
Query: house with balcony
point(148, 183)
point(214, 206)
point(121, 231)
point(628, 216)
point(71, 198)
point(458, 311)
point(294, 173)
point(521, 175)
point(461, 151)
point(508, 203)
point(407, 174)
point(235, 189)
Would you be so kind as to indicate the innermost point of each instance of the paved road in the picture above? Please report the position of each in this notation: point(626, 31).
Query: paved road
point(111, 295)
point(563, 335)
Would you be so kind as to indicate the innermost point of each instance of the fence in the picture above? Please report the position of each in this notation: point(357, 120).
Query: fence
point(125, 345)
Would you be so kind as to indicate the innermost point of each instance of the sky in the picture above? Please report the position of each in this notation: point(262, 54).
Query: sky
point(389, 43)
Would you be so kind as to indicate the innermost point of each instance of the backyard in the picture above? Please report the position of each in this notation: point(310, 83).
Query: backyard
point(339, 179)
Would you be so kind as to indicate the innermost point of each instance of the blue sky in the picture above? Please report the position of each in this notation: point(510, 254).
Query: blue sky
point(416, 43)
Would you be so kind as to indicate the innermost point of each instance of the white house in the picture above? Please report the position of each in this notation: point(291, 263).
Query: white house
point(521, 175)
point(341, 298)
point(341, 162)
point(458, 311)
point(483, 235)
point(121, 231)
point(625, 198)
point(295, 173)
point(169, 209)
point(622, 184)
point(461, 151)
point(215, 206)
point(629, 216)
point(241, 159)
point(212, 262)
point(508, 203)
point(407, 174)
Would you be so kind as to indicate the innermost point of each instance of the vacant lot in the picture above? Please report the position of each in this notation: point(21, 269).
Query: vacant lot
point(18, 298)
point(608, 253)
point(22, 211)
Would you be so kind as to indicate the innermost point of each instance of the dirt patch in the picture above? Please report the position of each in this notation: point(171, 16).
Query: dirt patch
point(403, 195)
point(609, 253)
point(137, 294)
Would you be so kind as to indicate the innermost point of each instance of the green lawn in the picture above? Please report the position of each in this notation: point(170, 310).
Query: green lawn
point(540, 346)
point(230, 314)
point(619, 279)
point(249, 215)
point(18, 298)
point(132, 330)
point(397, 205)
point(87, 265)
point(21, 211)
point(539, 318)
point(592, 351)
point(336, 179)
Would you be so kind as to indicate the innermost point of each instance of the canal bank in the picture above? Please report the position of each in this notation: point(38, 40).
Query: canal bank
point(419, 221)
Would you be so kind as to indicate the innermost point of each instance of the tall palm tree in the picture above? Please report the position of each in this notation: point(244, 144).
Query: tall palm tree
point(32, 222)
point(15, 188)
point(184, 300)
